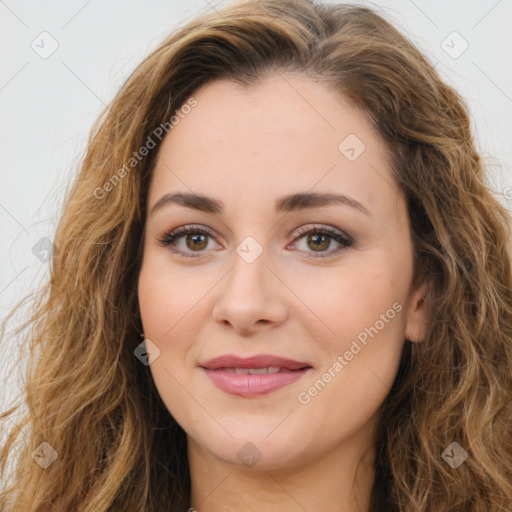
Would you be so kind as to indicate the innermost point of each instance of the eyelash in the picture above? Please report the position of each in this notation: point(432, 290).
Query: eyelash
point(168, 238)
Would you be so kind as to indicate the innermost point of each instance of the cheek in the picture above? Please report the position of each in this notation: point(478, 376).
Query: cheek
point(170, 304)
point(164, 297)
point(344, 302)
point(163, 307)
point(358, 363)
point(363, 307)
point(160, 312)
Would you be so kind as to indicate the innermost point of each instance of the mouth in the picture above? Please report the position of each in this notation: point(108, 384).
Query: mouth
point(254, 376)
point(258, 371)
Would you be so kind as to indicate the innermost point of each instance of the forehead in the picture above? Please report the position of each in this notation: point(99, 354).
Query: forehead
point(283, 135)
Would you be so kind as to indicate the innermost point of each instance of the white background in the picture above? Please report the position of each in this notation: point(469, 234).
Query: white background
point(48, 105)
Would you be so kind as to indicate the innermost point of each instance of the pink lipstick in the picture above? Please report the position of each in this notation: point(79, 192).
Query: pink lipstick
point(253, 376)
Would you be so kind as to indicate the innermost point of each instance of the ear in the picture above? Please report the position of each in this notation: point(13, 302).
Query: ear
point(415, 329)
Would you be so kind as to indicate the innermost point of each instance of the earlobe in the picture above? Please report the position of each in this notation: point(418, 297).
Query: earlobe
point(415, 330)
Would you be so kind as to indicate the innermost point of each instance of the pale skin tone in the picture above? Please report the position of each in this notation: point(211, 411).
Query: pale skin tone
point(247, 149)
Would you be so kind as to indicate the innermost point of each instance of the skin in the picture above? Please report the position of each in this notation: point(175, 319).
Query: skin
point(247, 148)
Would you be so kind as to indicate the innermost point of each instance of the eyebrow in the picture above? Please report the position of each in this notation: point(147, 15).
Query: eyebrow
point(290, 203)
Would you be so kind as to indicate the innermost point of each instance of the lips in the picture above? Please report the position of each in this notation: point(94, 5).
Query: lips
point(259, 361)
point(253, 376)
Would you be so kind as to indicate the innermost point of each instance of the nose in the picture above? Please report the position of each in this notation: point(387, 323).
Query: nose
point(251, 297)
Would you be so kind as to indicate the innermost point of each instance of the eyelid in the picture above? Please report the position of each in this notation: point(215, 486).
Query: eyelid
point(324, 228)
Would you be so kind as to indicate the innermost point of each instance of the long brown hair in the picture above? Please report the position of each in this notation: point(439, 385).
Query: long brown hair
point(94, 403)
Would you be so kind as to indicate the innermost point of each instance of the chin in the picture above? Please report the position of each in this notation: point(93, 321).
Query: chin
point(255, 449)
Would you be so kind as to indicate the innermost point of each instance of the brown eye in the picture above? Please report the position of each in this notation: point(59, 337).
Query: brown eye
point(187, 240)
point(318, 239)
point(196, 242)
point(318, 242)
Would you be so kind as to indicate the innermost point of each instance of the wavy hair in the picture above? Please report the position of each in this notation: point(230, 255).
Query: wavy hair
point(88, 396)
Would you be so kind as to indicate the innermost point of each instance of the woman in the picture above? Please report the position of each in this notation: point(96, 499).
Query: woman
point(280, 282)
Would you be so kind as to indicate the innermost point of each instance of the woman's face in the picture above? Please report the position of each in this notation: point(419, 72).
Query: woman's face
point(251, 280)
